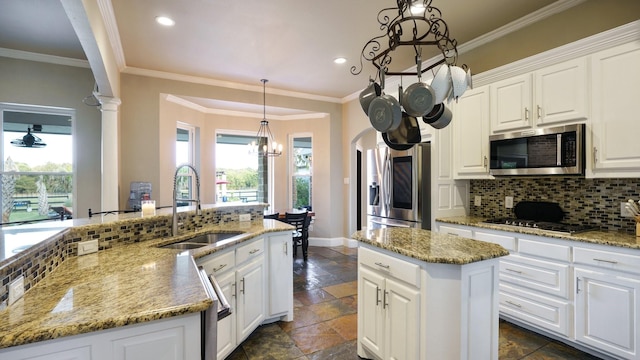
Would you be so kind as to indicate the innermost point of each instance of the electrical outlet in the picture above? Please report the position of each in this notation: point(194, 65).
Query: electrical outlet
point(624, 212)
point(477, 201)
point(16, 290)
point(508, 202)
point(245, 217)
point(87, 247)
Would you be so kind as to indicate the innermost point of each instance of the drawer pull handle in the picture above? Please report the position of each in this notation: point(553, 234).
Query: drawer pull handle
point(377, 296)
point(577, 285)
point(253, 251)
point(382, 265)
point(242, 282)
point(222, 266)
point(384, 301)
point(452, 234)
point(514, 271)
point(514, 304)
point(606, 261)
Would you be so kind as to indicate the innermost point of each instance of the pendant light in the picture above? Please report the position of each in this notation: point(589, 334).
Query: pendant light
point(264, 145)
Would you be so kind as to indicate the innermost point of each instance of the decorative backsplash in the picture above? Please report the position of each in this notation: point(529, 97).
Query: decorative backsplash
point(41, 259)
point(593, 202)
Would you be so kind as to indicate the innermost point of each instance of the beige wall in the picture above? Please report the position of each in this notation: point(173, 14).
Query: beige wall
point(148, 125)
point(586, 19)
point(36, 83)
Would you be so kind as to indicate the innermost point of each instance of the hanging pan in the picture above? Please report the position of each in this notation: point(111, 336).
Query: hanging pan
point(384, 112)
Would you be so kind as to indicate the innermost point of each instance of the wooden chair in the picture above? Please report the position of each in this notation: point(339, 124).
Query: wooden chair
point(300, 234)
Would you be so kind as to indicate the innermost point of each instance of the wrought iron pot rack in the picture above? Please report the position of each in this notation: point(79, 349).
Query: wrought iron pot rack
point(427, 28)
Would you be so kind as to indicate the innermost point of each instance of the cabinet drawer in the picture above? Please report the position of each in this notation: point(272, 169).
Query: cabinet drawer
point(400, 269)
point(607, 259)
point(249, 251)
point(507, 242)
point(550, 314)
point(219, 264)
point(544, 276)
point(545, 250)
point(455, 231)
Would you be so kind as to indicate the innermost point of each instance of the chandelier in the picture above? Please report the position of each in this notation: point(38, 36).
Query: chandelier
point(264, 145)
point(412, 23)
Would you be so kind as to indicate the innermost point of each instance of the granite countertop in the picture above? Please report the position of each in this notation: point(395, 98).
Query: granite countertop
point(611, 238)
point(430, 246)
point(122, 285)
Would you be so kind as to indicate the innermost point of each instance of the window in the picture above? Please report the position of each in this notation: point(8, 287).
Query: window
point(185, 151)
point(241, 176)
point(302, 171)
point(37, 166)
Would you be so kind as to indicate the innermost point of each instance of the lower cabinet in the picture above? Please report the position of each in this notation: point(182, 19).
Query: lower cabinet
point(410, 309)
point(256, 277)
point(172, 339)
point(586, 294)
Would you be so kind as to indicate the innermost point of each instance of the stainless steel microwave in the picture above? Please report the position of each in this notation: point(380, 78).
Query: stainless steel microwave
point(546, 151)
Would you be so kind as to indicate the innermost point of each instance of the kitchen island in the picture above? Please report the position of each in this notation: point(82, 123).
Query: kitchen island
point(425, 295)
point(128, 285)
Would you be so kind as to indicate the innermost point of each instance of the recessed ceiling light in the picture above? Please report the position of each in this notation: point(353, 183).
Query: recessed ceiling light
point(340, 60)
point(163, 20)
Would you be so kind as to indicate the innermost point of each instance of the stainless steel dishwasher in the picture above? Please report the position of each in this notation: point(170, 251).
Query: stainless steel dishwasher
point(218, 311)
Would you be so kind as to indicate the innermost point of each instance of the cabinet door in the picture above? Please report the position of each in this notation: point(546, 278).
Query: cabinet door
point(511, 103)
point(226, 334)
point(251, 297)
point(370, 316)
point(607, 308)
point(471, 134)
point(561, 92)
point(280, 274)
point(615, 76)
point(402, 325)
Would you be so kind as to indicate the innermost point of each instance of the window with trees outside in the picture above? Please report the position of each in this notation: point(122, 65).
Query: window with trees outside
point(185, 145)
point(37, 167)
point(302, 171)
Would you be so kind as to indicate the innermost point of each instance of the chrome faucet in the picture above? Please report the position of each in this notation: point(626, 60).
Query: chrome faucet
point(174, 225)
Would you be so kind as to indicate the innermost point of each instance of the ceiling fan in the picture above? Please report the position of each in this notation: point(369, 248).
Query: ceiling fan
point(30, 140)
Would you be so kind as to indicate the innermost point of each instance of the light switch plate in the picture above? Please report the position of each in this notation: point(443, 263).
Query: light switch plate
point(477, 201)
point(87, 247)
point(16, 290)
point(245, 217)
point(508, 202)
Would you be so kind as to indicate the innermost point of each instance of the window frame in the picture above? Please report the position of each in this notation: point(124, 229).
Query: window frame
point(291, 167)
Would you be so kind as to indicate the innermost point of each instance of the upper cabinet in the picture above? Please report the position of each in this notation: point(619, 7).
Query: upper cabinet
point(615, 76)
point(471, 131)
point(554, 94)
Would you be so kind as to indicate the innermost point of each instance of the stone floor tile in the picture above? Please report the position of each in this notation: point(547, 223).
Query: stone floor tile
point(313, 296)
point(316, 337)
point(342, 290)
point(345, 351)
point(331, 309)
point(301, 317)
point(270, 342)
point(346, 326)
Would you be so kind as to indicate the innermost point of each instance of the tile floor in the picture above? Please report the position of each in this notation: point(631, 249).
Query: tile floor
point(325, 325)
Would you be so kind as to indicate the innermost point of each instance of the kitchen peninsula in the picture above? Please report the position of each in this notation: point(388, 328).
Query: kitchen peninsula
point(426, 295)
point(131, 295)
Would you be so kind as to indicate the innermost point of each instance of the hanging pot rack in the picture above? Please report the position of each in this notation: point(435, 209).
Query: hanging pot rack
point(433, 32)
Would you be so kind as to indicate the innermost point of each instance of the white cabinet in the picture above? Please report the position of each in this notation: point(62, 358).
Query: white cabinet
point(256, 277)
point(471, 131)
point(177, 338)
point(280, 276)
point(615, 76)
point(608, 311)
point(388, 310)
point(554, 94)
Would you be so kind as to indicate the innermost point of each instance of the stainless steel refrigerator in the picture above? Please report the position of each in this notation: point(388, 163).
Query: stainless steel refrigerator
point(399, 187)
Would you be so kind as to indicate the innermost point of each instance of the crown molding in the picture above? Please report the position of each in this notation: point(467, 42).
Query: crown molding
point(51, 59)
point(583, 47)
point(109, 19)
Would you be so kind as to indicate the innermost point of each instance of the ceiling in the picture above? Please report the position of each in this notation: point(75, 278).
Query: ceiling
point(291, 43)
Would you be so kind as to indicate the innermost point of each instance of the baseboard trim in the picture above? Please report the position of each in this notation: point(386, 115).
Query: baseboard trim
point(329, 242)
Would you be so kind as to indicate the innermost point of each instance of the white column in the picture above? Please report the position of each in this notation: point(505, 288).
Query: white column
point(109, 192)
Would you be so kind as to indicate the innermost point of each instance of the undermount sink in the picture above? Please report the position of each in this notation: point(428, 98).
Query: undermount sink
point(201, 240)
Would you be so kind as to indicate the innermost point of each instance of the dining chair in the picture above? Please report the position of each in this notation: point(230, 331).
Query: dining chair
point(274, 216)
point(300, 234)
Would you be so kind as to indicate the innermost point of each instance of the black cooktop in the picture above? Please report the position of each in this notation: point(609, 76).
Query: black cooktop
point(543, 225)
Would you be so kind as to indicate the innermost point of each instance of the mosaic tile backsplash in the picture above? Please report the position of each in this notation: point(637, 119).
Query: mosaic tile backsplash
point(40, 260)
point(593, 202)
